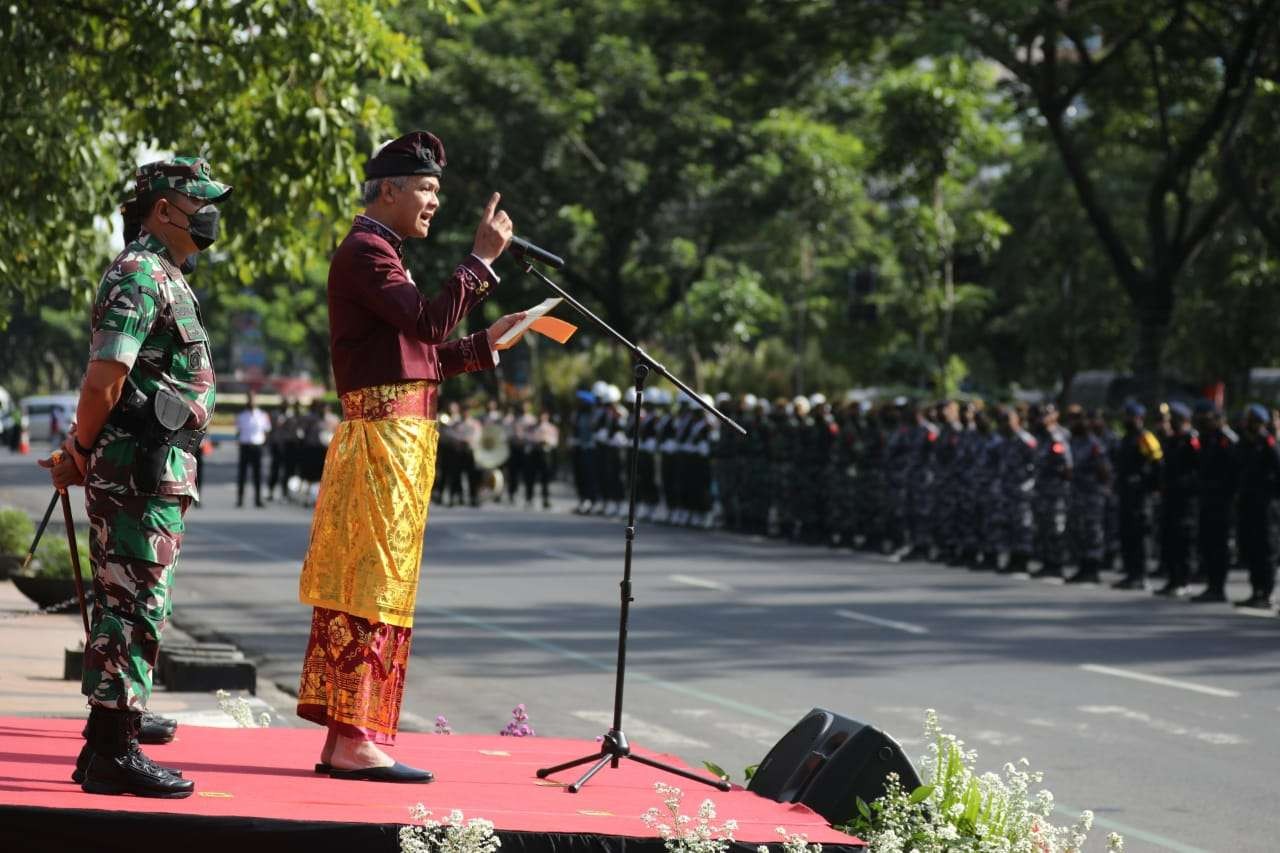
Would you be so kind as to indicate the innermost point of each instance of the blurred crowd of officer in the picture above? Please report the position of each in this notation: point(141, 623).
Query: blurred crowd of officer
point(1180, 496)
point(491, 453)
point(296, 443)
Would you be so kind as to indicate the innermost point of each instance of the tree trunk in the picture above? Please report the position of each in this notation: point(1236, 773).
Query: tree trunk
point(1153, 331)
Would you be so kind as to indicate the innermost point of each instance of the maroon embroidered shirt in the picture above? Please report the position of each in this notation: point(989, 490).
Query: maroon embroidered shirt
point(381, 327)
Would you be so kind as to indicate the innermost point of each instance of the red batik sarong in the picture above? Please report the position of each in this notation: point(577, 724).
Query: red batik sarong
point(353, 675)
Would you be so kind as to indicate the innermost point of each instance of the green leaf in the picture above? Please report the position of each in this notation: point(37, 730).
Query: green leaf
point(716, 770)
point(920, 794)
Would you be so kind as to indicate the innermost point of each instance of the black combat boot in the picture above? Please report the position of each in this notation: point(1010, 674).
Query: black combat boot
point(1048, 570)
point(1088, 573)
point(1017, 565)
point(156, 729)
point(118, 766)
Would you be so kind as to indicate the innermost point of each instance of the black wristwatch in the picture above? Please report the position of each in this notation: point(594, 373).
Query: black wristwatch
point(82, 450)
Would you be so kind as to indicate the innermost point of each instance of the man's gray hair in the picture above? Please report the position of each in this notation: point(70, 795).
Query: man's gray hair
point(370, 190)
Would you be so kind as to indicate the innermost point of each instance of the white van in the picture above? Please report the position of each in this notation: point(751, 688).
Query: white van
point(40, 414)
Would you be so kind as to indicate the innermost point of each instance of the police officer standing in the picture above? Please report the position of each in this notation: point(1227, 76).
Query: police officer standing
point(1053, 473)
point(1216, 482)
point(146, 398)
point(1137, 469)
point(1090, 483)
point(1259, 482)
point(1178, 499)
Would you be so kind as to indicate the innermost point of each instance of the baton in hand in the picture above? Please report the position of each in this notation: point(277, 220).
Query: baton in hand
point(75, 562)
point(44, 522)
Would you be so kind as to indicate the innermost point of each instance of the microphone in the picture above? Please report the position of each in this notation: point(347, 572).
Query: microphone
point(526, 251)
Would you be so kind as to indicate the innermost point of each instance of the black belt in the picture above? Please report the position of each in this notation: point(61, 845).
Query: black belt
point(183, 439)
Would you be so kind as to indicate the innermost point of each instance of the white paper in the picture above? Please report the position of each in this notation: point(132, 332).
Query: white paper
point(530, 315)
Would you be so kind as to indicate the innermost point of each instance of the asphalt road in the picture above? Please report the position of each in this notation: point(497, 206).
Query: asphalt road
point(1159, 716)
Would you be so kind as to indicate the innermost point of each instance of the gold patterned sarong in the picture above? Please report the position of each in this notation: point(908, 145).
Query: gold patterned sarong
point(366, 533)
point(353, 675)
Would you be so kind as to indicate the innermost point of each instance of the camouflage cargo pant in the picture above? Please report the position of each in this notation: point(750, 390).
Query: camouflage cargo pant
point(1050, 514)
point(134, 542)
point(1016, 526)
point(1087, 525)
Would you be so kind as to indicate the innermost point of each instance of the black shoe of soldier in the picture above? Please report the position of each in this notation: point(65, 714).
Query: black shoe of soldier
point(1084, 577)
point(1130, 584)
point(1172, 590)
point(156, 729)
point(86, 754)
point(1209, 596)
point(1017, 564)
point(133, 773)
point(1257, 601)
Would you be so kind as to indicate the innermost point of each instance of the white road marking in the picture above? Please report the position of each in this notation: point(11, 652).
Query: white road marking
point(1166, 726)
point(562, 555)
point(700, 583)
point(996, 738)
point(696, 713)
point(1156, 679)
point(884, 623)
point(750, 731)
point(646, 733)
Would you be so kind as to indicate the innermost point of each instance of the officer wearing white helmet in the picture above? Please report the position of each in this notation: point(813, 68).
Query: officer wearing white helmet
point(647, 463)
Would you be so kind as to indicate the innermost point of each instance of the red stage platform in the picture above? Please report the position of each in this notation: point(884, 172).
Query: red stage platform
point(255, 787)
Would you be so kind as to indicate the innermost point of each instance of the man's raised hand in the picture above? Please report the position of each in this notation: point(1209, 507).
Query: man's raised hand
point(494, 232)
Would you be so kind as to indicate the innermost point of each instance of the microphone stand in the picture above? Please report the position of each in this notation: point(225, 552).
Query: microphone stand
point(614, 745)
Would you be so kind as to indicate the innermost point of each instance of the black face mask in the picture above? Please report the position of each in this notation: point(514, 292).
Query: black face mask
point(189, 265)
point(202, 226)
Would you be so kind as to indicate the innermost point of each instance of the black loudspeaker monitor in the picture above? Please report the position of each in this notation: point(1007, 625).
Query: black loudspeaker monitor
point(787, 770)
point(857, 770)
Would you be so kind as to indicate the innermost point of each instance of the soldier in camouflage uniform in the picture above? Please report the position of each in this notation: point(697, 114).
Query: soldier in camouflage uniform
point(1090, 485)
point(918, 477)
point(147, 396)
point(754, 477)
point(896, 456)
point(984, 532)
point(947, 478)
point(1049, 504)
point(1016, 483)
point(842, 472)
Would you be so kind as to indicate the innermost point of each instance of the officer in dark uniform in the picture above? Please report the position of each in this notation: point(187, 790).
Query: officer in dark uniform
point(1178, 499)
point(1216, 481)
point(1137, 470)
point(1259, 483)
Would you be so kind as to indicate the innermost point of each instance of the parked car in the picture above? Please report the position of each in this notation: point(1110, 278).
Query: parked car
point(40, 411)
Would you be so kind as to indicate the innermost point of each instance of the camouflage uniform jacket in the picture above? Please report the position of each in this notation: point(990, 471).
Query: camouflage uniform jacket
point(146, 318)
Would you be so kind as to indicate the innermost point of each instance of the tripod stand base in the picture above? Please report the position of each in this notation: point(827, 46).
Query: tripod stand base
point(613, 748)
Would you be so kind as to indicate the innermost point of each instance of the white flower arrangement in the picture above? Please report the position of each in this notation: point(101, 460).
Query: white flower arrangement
point(958, 810)
point(681, 833)
point(792, 842)
point(237, 708)
point(454, 834)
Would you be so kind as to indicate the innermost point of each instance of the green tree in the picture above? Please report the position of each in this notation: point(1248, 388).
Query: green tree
point(941, 131)
point(272, 93)
point(660, 145)
point(1162, 90)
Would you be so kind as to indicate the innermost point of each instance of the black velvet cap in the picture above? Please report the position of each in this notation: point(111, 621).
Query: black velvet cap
point(416, 153)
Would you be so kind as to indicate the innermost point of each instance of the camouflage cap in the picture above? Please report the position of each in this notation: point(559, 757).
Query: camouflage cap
point(187, 175)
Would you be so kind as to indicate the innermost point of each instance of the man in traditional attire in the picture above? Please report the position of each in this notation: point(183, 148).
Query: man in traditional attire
point(389, 354)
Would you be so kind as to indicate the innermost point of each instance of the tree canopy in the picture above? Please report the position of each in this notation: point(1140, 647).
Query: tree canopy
point(783, 197)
